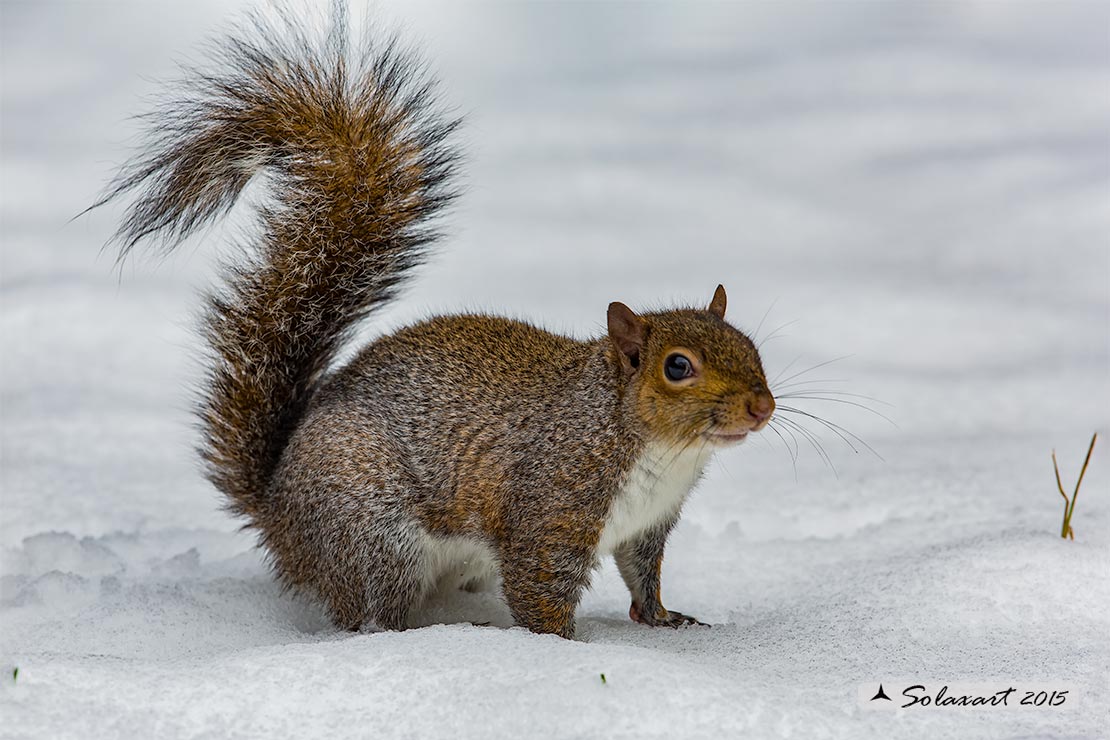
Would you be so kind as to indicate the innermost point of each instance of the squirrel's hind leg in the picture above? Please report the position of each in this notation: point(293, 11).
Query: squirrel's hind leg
point(347, 535)
point(395, 567)
point(369, 573)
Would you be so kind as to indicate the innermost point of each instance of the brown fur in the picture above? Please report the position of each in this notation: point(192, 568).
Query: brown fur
point(459, 432)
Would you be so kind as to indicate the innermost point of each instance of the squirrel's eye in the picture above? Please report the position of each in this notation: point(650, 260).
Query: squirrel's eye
point(676, 367)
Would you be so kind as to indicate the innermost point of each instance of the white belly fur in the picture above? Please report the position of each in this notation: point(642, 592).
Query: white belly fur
point(457, 562)
point(655, 490)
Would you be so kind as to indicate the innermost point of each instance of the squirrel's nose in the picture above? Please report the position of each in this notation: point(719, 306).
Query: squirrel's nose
point(761, 407)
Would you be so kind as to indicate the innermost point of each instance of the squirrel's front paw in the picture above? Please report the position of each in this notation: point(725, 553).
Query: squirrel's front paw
point(662, 618)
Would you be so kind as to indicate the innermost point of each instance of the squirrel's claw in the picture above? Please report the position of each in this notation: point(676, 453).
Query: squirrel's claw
point(683, 619)
point(663, 618)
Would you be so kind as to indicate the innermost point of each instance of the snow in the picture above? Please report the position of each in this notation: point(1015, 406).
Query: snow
point(921, 189)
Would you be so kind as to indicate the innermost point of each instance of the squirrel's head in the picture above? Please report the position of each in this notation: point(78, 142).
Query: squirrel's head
point(692, 375)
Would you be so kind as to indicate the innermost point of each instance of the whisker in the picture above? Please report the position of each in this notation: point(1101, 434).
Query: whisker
point(792, 426)
point(863, 406)
point(792, 453)
point(828, 392)
point(816, 367)
point(791, 450)
point(828, 425)
point(796, 452)
point(773, 334)
point(835, 428)
point(794, 387)
point(781, 372)
point(765, 315)
point(784, 386)
point(814, 442)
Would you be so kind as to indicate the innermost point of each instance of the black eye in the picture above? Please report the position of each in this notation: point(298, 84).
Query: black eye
point(676, 367)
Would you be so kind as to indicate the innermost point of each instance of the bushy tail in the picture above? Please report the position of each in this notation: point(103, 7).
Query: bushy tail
point(359, 161)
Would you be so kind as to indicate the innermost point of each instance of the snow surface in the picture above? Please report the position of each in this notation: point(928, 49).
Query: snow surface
point(921, 188)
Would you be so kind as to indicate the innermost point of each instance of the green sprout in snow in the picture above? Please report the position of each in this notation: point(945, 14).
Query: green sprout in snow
point(603, 678)
point(1069, 504)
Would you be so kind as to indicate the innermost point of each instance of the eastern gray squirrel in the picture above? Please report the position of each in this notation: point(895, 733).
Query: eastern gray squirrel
point(466, 449)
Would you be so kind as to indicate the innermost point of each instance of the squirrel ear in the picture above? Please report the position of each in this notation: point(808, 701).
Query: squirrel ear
point(717, 305)
point(627, 332)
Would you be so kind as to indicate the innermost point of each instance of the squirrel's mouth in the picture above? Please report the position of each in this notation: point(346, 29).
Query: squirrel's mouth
point(727, 438)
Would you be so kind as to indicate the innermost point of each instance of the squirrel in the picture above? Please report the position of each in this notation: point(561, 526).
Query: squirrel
point(466, 450)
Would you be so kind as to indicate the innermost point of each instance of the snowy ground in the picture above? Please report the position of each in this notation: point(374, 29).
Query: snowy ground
point(922, 188)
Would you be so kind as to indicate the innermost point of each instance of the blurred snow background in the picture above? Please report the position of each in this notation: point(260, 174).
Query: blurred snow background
point(922, 188)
